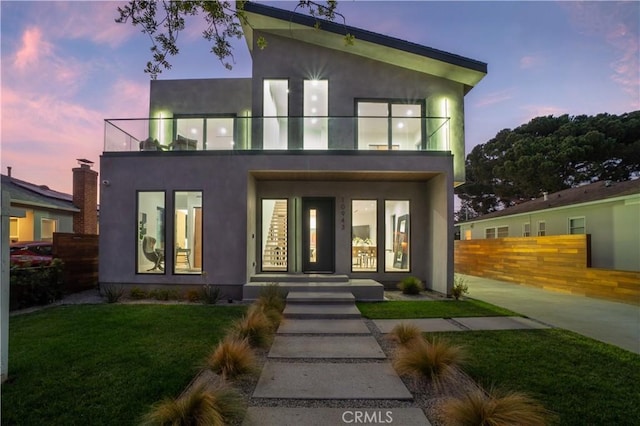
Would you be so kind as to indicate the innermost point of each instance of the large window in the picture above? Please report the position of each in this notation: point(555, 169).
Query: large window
point(274, 235)
point(151, 232)
point(576, 225)
point(316, 110)
point(397, 236)
point(496, 232)
point(542, 228)
point(188, 232)
point(364, 237)
point(526, 229)
point(14, 230)
point(384, 125)
point(47, 228)
point(211, 133)
point(275, 109)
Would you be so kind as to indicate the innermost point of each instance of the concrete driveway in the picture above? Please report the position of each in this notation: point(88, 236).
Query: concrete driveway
point(610, 322)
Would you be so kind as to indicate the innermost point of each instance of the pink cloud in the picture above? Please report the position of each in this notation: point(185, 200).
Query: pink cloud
point(532, 111)
point(530, 61)
point(128, 99)
point(32, 48)
point(495, 98)
point(617, 24)
point(93, 21)
point(42, 135)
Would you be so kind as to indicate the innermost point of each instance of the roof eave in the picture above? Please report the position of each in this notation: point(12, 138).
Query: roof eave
point(367, 44)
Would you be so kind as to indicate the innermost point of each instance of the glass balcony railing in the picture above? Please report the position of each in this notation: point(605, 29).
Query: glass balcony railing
point(278, 133)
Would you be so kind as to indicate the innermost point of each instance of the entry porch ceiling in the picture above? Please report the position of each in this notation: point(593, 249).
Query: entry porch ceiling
point(367, 44)
point(342, 176)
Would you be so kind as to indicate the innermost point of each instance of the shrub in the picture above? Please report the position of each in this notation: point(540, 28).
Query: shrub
point(193, 295)
point(232, 357)
point(405, 333)
point(137, 293)
point(272, 297)
point(199, 407)
point(435, 360)
point(272, 302)
point(411, 285)
point(32, 286)
point(255, 326)
point(113, 293)
point(164, 294)
point(460, 287)
point(210, 294)
point(494, 408)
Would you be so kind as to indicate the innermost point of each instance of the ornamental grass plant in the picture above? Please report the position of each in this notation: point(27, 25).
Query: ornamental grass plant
point(255, 326)
point(434, 361)
point(405, 333)
point(494, 408)
point(411, 286)
point(198, 407)
point(232, 357)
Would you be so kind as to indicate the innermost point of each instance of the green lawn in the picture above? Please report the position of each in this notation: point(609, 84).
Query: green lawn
point(583, 381)
point(401, 309)
point(105, 364)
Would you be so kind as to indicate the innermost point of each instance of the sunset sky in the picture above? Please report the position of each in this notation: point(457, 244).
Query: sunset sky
point(66, 66)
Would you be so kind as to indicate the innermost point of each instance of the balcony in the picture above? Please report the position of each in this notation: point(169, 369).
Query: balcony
point(223, 133)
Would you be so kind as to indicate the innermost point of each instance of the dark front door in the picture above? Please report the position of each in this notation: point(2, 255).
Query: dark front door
point(318, 231)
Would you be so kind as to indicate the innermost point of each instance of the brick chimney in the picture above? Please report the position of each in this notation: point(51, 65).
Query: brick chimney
point(85, 197)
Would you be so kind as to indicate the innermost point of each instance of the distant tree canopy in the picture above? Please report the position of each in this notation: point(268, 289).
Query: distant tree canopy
point(549, 154)
point(163, 21)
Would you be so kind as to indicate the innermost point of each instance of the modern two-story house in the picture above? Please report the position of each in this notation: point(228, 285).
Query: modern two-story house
point(331, 159)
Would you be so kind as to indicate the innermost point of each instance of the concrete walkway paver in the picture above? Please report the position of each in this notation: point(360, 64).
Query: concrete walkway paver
point(326, 347)
point(304, 380)
point(424, 324)
point(499, 323)
point(323, 326)
point(282, 416)
point(428, 325)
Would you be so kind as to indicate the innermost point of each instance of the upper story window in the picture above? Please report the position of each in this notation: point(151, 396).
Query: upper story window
point(316, 111)
point(542, 228)
point(577, 225)
point(496, 232)
point(275, 109)
point(387, 125)
point(209, 133)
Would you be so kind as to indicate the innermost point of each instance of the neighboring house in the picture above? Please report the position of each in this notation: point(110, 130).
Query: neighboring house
point(47, 211)
point(608, 211)
point(332, 159)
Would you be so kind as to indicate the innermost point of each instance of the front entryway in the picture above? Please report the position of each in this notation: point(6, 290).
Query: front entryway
point(318, 235)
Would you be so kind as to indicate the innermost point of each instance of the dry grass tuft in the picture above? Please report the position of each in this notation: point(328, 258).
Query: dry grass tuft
point(199, 407)
point(435, 361)
point(405, 333)
point(255, 326)
point(232, 357)
point(272, 297)
point(494, 409)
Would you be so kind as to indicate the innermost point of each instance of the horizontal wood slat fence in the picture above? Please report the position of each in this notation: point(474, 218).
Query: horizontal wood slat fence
point(559, 262)
point(79, 252)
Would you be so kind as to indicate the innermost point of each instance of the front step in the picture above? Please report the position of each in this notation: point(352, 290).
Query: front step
point(362, 289)
point(313, 297)
point(321, 311)
point(299, 278)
